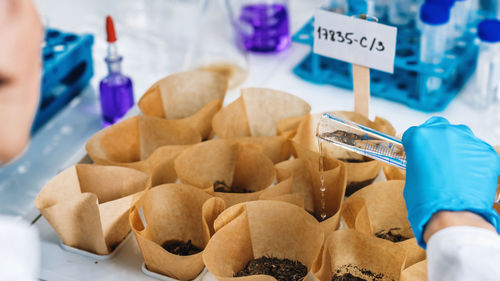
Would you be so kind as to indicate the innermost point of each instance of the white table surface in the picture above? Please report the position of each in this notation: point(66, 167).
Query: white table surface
point(150, 53)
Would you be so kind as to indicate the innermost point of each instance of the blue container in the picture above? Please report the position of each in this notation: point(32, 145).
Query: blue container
point(67, 69)
point(456, 68)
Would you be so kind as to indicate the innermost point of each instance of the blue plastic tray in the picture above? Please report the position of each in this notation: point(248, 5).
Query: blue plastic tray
point(67, 69)
point(403, 85)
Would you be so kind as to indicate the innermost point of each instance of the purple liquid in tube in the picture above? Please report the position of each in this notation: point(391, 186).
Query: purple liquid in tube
point(117, 95)
point(265, 27)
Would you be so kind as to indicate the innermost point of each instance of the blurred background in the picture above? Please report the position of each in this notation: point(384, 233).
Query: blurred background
point(456, 75)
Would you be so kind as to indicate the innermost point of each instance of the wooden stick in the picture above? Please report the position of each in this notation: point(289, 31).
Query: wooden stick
point(361, 87)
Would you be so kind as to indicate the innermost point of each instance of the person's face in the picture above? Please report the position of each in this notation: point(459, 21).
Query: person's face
point(20, 72)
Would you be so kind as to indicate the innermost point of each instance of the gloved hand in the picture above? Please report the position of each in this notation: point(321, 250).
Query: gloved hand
point(448, 169)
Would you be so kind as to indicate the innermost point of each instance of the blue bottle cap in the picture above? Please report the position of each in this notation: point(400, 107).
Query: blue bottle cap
point(489, 30)
point(434, 14)
point(447, 3)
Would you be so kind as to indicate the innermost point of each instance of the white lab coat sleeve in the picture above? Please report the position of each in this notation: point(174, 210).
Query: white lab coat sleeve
point(19, 250)
point(462, 253)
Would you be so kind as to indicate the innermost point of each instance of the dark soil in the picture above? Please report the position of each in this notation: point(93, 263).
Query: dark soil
point(281, 269)
point(343, 136)
point(181, 248)
point(220, 186)
point(390, 235)
point(356, 160)
point(347, 277)
point(355, 186)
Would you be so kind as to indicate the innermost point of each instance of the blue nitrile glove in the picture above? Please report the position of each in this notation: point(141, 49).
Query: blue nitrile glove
point(448, 169)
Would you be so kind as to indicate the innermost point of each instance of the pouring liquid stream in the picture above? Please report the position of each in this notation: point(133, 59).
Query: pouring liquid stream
point(322, 187)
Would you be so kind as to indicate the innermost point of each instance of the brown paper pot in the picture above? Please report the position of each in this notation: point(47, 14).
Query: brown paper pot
point(346, 249)
point(261, 228)
point(393, 173)
point(277, 148)
point(174, 212)
point(202, 120)
point(416, 272)
point(379, 208)
point(234, 74)
point(306, 184)
point(134, 140)
point(282, 191)
point(87, 206)
point(239, 166)
point(288, 127)
point(256, 113)
point(160, 165)
point(183, 94)
point(359, 174)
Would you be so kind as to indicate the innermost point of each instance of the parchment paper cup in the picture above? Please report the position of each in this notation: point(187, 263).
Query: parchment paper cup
point(256, 113)
point(307, 182)
point(351, 251)
point(135, 139)
point(261, 228)
point(183, 94)
point(393, 173)
point(379, 208)
point(174, 212)
point(239, 166)
point(288, 127)
point(87, 205)
point(416, 272)
point(276, 148)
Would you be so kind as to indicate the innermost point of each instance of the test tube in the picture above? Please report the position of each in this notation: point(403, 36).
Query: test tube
point(361, 140)
point(450, 43)
point(460, 14)
point(377, 8)
point(400, 12)
point(473, 11)
point(486, 81)
point(337, 6)
point(434, 20)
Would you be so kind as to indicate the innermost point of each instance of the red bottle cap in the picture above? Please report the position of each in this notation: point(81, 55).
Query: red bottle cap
point(110, 29)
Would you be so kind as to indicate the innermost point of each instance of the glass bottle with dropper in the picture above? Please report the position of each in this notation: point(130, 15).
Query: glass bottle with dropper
point(116, 90)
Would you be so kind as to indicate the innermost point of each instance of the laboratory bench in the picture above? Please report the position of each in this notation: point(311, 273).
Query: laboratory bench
point(149, 54)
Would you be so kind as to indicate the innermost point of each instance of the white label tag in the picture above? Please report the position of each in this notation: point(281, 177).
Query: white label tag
point(355, 40)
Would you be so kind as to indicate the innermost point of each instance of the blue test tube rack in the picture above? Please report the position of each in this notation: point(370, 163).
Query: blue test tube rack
point(67, 69)
point(402, 86)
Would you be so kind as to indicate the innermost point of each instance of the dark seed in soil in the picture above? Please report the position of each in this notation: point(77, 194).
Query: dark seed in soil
point(281, 269)
point(390, 235)
point(181, 248)
point(220, 186)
